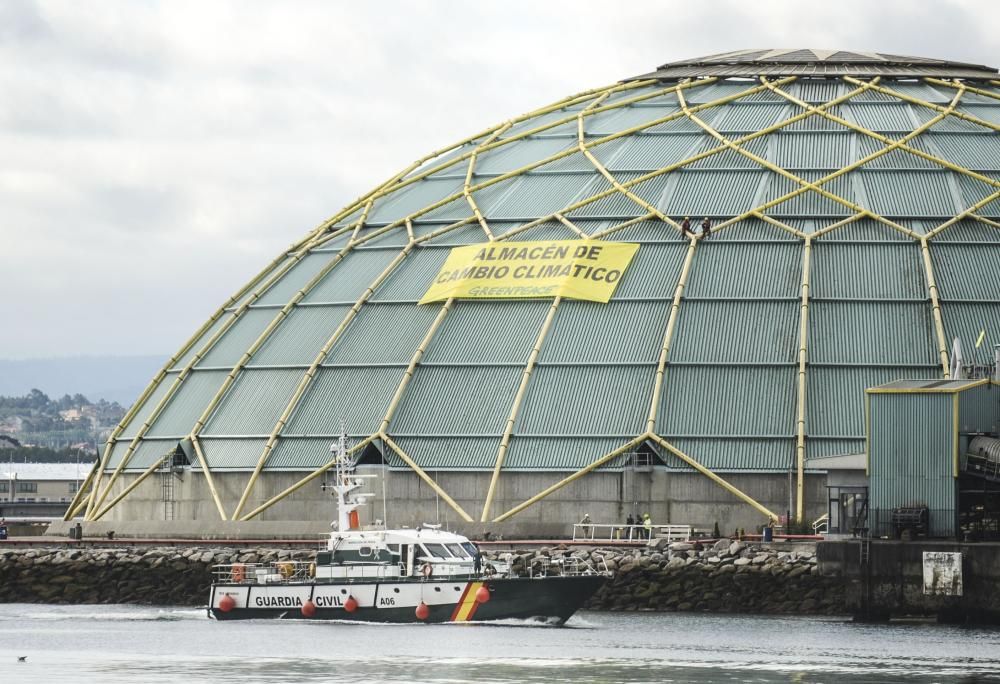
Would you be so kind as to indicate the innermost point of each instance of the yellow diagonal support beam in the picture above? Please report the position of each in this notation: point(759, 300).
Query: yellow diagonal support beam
point(800, 419)
point(425, 477)
point(932, 290)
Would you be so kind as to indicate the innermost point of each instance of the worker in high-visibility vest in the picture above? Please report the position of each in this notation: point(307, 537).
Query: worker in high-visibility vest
point(647, 526)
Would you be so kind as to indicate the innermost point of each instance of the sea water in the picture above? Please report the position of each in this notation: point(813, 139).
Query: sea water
point(164, 644)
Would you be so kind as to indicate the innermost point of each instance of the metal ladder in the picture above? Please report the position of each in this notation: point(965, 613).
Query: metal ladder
point(167, 487)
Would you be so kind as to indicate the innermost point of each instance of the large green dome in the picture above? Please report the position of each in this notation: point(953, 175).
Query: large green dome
point(855, 233)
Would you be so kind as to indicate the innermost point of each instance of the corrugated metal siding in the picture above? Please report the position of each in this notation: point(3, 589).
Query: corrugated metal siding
point(550, 230)
point(685, 125)
point(543, 119)
point(535, 195)
point(737, 270)
point(233, 454)
point(868, 270)
point(816, 122)
point(966, 321)
point(967, 271)
point(864, 230)
point(568, 400)
point(653, 272)
point(882, 118)
point(729, 158)
point(651, 152)
point(449, 453)
point(753, 230)
point(979, 409)
point(820, 150)
point(187, 404)
point(253, 401)
point(349, 280)
point(818, 91)
point(300, 336)
point(896, 159)
point(368, 340)
point(750, 117)
point(568, 454)
point(835, 396)
point(294, 452)
point(736, 332)
point(469, 234)
point(412, 198)
point(457, 400)
point(809, 203)
point(293, 281)
point(235, 341)
point(117, 454)
point(643, 232)
point(143, 414)
point(882, 333)
point(202, 340)
point(615, 120)
point(589, 332)
point(521, 153)
point(721, 454)
point(714, 401)
point(986, 112)
point(618, 204)
point(712, 193)
point(910, 462)
point(974, 191)
point(967, 231)
point(410, 280)
point(820, 448)
point(971, 151)
point(909, 193)
point(357, 396)
point(924, 92)
point(487, 332)
point(149, 452)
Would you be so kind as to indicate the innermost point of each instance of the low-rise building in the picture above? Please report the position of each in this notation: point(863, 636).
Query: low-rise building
point(39, 489)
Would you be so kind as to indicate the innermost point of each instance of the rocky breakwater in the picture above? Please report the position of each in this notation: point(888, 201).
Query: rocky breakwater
point(154, 576)
point(723, 577)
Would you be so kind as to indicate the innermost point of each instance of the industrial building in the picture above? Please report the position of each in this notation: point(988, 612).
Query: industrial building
point(720, 377)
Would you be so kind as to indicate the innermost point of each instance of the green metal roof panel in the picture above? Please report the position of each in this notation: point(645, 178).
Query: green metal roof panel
point(117, 454)
point(297, 278)
point(864, 230)
point(749, 117)
point(410, 280)
point(914, 193)
point(524, 152)
point(819, 150)
point(188, 403)
point(409, 324)
point(616, 120)
point(589, 332)
point(736, 332)
point(447, 453)
point(230, 347)
point(357, 396)
point(967, 231)
point(478, 332)
point(733, 270)
point(713, 193)
point(535, 195)
point(231, 454)
point(564, 454)
point(816, 122)
point(967, 271)
point(620, 205)
point(882, 333)
point(817, 91)
point(300, 336)
point(202, 340)
point(351, 277)
point(868, 270)
point(743, 454)
point(821, 448)
point(250, 404)
point(644, 232)
point(653, 272)
point(651, 152)
point(809, 203)
point(882, 118)
point(456, 400)
point(897, 158)
point(574, 400)
point(835, 396)
point(753, 230)
point(728, 400)
point(412, 198)
point(729, 158)
point(148, 453)
point(974, 191)
point(966, 321)
point(967, 150)
point(147, 408)
point(295, 452)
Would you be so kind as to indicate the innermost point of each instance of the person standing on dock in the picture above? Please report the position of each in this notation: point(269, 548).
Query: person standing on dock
point(647, 526)
point(585, 521)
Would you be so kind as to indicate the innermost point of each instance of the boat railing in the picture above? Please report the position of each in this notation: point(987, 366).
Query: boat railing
point(567, 566)
point(275, 572)
point(628, 533)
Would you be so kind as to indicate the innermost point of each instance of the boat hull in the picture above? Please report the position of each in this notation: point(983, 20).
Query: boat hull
point(552, 599)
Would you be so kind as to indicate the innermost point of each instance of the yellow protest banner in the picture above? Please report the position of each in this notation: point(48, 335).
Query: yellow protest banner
point(576, 269)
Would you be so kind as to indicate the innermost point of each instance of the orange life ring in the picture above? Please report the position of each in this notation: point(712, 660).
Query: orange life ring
point(237, 572)
point(427, 570)
point(286, 570)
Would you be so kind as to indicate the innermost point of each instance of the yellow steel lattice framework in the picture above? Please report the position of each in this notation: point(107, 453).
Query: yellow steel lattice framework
point(93, 496)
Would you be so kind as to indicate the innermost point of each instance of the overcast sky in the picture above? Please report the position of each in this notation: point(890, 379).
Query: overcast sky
point(154, 155)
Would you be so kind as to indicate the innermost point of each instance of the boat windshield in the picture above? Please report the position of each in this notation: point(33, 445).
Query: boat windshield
point(471, 548)
point(437, 550)
point(457, 551)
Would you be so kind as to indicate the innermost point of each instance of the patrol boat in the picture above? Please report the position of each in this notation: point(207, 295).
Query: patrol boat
point(403, 575)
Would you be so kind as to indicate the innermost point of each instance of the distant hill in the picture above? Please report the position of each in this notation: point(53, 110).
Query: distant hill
point(114, 378)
